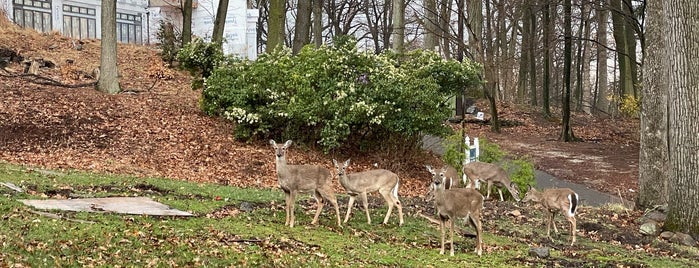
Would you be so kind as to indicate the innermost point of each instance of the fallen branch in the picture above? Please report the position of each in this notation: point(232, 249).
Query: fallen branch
point(458, 229)
point(47, 81)
point(12, 186)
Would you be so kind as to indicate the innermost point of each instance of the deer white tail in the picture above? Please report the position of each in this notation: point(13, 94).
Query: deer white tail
point(573, 198)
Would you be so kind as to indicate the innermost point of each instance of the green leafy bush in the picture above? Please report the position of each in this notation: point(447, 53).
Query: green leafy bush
point(336, 95)
point(200, 58)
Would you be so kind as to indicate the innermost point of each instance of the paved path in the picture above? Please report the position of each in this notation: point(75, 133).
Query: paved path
point(588, 196)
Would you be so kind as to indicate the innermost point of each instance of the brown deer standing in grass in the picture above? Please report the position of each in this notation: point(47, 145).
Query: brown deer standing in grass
point(458, 203)
point(303, 178)
point(361, 183)
point(553, 201)
point(492, 175)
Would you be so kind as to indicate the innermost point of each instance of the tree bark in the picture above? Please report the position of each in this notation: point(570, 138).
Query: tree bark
point(187, 22)
point(318, 22)
point(109, 77)
point(548, 42)
point(601, 98)
point(682, 50)
point(302, 26)
point(625, 47)
point(398, 35)
point(220, 22)
point(653, 153)
point(526, 57)
point(277, 22)
point(566, 128)
point(431, 25)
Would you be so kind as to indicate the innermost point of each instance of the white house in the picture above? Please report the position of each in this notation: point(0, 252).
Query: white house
point(137, 20)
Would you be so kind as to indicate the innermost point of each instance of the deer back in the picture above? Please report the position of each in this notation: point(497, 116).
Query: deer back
point(458, 202)
point(368, 181)
point(303, 177)
point(558, 199)
point(487, 172)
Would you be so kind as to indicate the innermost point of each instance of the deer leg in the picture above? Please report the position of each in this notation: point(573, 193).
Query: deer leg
point(330, 196)
point(553, 221)
point(389, 203)
point(476, 223)
point(287, 195)
point(290, 208)
point(441, 229)
point(365, 203)
point(451, 237)
point(572, 229)
point(548, 225)
point(487, 195)
point(319, 201)
point(349, 207)
point(500, 192)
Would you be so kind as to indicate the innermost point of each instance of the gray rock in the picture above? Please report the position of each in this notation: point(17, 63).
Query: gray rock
point(650, 228)
point(656, 216)
point(667, 235)
point(542, 252)
point(683, 239)
point(246, 207)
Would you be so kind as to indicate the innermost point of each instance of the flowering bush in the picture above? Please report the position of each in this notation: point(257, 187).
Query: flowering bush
point(333, 95)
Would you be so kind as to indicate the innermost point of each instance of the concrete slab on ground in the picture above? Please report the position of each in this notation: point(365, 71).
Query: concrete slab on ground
point(122, 205)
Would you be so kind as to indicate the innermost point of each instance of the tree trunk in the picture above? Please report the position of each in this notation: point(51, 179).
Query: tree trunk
point(277, 20)
point(398, 35)
point(431, 25)
point(109, 77)
point(625, 47)
point(186, 22)
point(445, 16)
point(586, 63)
point(653, 157)
point(302, 27)
point(548, 42)
point(681, 44)
point(532, 55)
point(526, 58)
point(220, 22)
point(567, 129)
point(318, 22)
point(601, 98)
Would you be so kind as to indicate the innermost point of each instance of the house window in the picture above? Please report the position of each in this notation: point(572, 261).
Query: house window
point(129, 28)
point(79, 22)
point(35, 14)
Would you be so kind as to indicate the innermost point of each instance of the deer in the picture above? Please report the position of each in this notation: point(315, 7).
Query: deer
point(447, 172)
point(294, 179)
point(455, 203)
point(493, 175)
point(555, 200)
point(361, 183)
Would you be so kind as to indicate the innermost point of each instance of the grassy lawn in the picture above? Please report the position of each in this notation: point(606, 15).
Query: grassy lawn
point(245, 227)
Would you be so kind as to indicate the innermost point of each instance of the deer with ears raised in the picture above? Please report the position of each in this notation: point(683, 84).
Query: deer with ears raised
point(457, 203)
point(556, 200)
point(361, 183)
point(303, 178)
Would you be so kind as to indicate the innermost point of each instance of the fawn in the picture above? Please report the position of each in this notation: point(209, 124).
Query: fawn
point(555, 200)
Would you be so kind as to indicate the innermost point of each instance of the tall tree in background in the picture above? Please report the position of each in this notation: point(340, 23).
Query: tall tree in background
point(445, 19)
point(276, 25)
point(601, 99)
point(625, 40)
point(526, 57)
point(398, 35)
point(681, 51)
point(318, 22)
point(220, 22)
point(567, 129)
point(548, 43)
point(653, 153)
point(431, 25)
point(187, 21)
point(109, 78)
point(303, 26)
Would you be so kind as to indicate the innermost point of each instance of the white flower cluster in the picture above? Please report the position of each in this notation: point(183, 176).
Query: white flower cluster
point(241, 116)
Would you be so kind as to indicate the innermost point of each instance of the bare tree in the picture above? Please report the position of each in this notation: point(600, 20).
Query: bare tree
point(398, 35)
point(109, 78)
point(187, 21)
point(302, 27)
point(220, 22)
point(276, 25)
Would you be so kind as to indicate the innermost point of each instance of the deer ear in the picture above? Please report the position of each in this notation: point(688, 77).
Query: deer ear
point(429, 168)
point(273, 143)
point(287, 144)
point(335, 162)
point(347, 162)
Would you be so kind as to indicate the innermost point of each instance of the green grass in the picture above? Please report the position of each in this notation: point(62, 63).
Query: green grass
point(256, 238)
